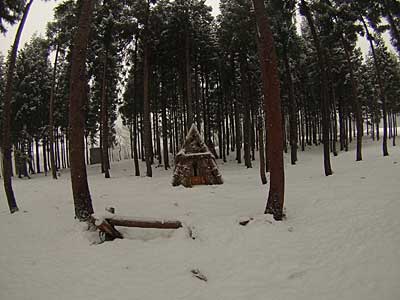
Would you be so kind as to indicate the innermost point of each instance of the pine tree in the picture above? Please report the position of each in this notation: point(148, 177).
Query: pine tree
point(321, 54)
point(271, 85)
point(6, 116)
point(77, 100)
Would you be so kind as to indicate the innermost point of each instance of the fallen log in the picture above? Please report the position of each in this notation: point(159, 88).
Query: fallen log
point(116, 220)
point(104, 226)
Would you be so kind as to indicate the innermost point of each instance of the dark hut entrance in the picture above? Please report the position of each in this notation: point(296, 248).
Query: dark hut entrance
point(194, 163)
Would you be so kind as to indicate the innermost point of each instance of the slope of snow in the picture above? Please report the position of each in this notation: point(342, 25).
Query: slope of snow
point(341, 239)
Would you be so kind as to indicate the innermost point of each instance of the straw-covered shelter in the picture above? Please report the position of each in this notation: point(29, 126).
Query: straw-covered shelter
point(194, 163)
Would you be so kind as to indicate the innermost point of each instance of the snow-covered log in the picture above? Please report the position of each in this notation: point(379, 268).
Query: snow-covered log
point(104, 226)
point(143, 222)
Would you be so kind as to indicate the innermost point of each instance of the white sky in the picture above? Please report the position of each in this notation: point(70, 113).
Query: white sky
point(42, 12)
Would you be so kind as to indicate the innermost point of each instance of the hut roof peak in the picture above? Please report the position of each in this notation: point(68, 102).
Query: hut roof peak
point(193, 142)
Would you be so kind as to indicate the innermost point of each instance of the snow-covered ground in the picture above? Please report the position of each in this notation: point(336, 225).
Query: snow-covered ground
point(341, 239)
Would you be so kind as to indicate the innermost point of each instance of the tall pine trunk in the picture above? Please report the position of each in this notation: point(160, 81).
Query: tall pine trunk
point(292, 110)
point(6, 139)
point(260, 128)
point(146, 99)
point(324, 88)
point(164, 125)
point(381, 91)
point(188, 71)
point(51, 117)
point(104, 120)
point(356, 102)
point(271, 89)
point(77, 101)
point(246, 116)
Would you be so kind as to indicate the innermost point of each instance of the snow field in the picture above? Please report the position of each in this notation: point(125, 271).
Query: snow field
point(341, 239)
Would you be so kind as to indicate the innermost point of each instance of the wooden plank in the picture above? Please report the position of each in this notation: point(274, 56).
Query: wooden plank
point(198, 180)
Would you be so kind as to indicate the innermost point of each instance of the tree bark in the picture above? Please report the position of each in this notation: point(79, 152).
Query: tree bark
point(77, 103)
point(356, 103)
point(164, 126)
point(37, 155)
point(381, 92)
point(6, 139)
point(260, 127)
point(324, 88)
point(272, 100)
point(104, 120)
point(51, 117)
point(146, 100)
point(292, 110)
point(246, 116)
point(143, 222)
point(188, 70)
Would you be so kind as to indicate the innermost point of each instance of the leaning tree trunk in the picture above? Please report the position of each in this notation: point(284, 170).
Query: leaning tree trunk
point(51, 117)
point(77, 101)
point(324, 88)
point(381, 91)
point(271, 87)
point(6, 139)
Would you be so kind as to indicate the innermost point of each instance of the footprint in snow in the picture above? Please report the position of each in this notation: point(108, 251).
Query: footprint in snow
point(298, 274)
point(196, 273)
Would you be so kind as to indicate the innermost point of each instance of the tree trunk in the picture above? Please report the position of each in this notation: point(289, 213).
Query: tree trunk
point(135, 146)
point(104, 120)
point(381, 91)
point(356, 103)
point(146, 100)
point(44, 150)
point(394, 129)
point(188, 80)
point(6, 139)
point(77, 102)
point(164, 127)
point(51, 116)
point(260, 127)
point(292, 110)
point(238, 127)
point(37, 156)
point(271, 88)
point(324, 88)
point(246, 117)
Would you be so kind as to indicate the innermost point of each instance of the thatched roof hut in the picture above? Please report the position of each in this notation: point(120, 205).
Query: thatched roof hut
point(194, 163)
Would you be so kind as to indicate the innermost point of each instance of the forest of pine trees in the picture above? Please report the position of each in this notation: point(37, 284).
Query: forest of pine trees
point(267, 77)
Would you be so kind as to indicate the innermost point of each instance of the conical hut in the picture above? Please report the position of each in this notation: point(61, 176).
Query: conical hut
point(194, 163)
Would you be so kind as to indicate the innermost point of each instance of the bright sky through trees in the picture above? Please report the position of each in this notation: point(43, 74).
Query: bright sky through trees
point(41, 13)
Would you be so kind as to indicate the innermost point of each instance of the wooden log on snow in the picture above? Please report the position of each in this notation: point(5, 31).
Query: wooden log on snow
point(143, 222)
point(108, 228)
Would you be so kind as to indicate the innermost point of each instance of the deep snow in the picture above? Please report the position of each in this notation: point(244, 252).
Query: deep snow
point(341, 239)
